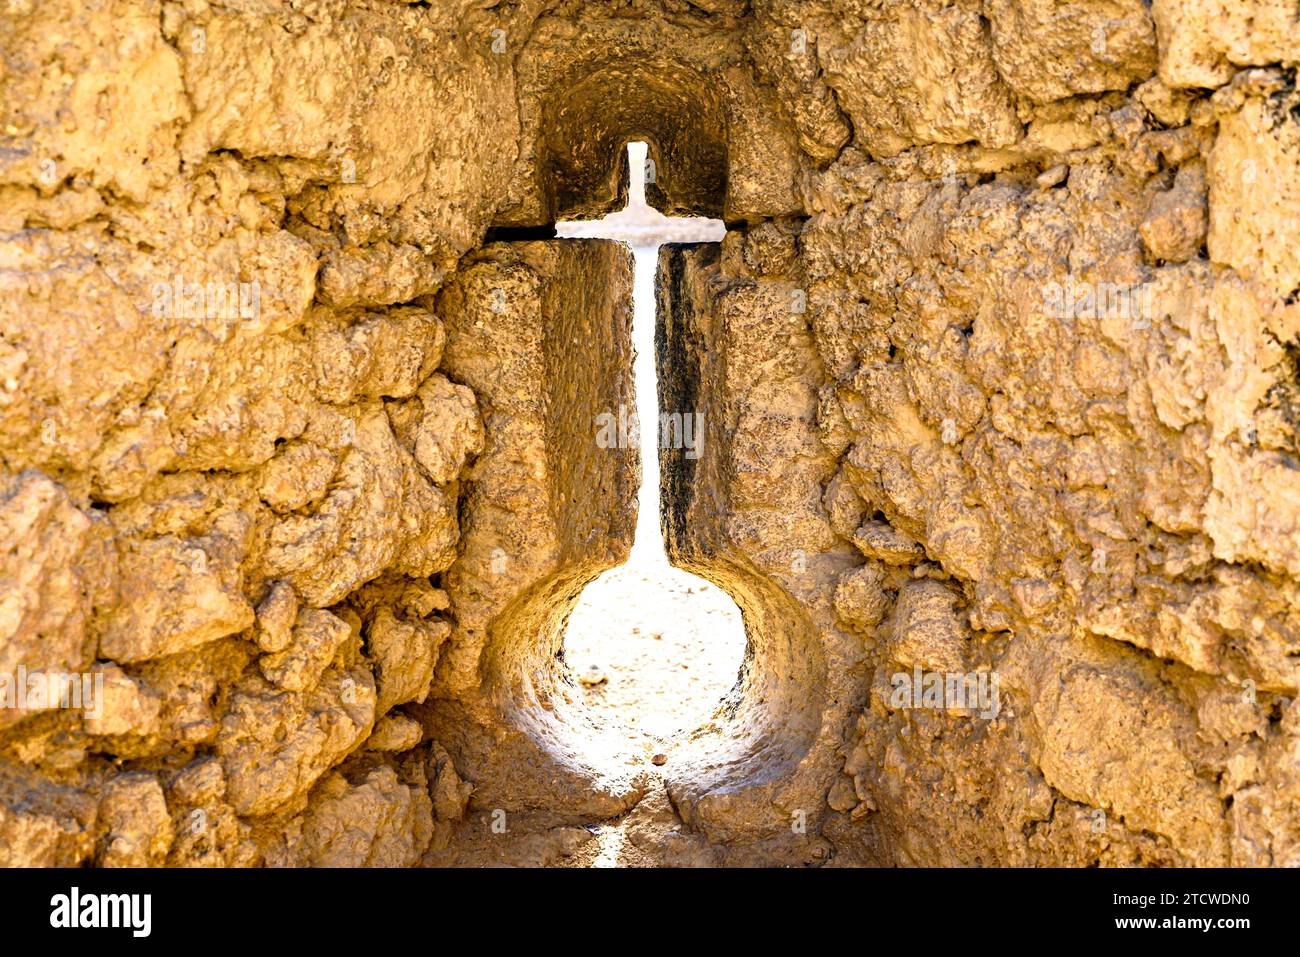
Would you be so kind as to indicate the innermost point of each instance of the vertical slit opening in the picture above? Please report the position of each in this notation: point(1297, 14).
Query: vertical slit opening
point(653, 651)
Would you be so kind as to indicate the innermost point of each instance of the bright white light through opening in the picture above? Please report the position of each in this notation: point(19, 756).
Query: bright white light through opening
point(653, 647)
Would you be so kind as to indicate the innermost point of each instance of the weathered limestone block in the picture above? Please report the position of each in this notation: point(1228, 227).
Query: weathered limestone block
point(790, 60)
point(1232, 623)
point(202, 782)
point(1047, 50)
point(883, 542)
point(1254, 180)
point(241, 413)
point(192, 689)
point(175, 594)
point(925, 630)
point(127, 706)
point(1253, 509)
point(763, 153)
point(43, 823)
point(317, 639)
point(208, 833)
point(1201, 41)
point(405, 653)
point(25, 206)
point(1176, 222)
point(1083, 711)
point(101, 93)
point(297, 477)
point(441, 428)
point(388, 355)
point(380, 822)
point(274, 745)
point(395, 732)
point(450, 794)
point(257, 86)
point(1263, 814)
point(77, 345)
point(275, 618)
point(1167, 106)
point(419, 599)
point(769, 249)
point(213, 836)
point(242, 103)
point(137, 826)
point(918, 487)
point(380, 275)
point(860, 598)
point(103, 359)
point(214, 513)
point(970, 796)
point(380, 513)
point(55, 563)
point(844, 508)
point(919, 73)
point(211, 406)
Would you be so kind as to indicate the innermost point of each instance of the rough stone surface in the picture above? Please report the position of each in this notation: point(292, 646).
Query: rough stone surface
point(379, 822)
point(999, 365)
point(133, 812)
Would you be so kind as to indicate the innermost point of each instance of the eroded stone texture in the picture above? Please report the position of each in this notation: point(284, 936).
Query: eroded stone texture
point(379, 822)
point(541, 332)
point(1048, 51)
point(1080, 480)
point(1202, 41)
point(999, 366)
point(683, 83)
point(738, 354)
point(918, 73)
point(55, 561)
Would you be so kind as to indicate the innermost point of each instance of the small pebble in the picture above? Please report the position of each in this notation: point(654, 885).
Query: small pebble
point(1054, 176)
point(592, 676)
point(659, 760)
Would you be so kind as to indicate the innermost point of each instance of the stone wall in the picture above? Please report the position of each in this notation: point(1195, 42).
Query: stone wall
point(292, 455)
